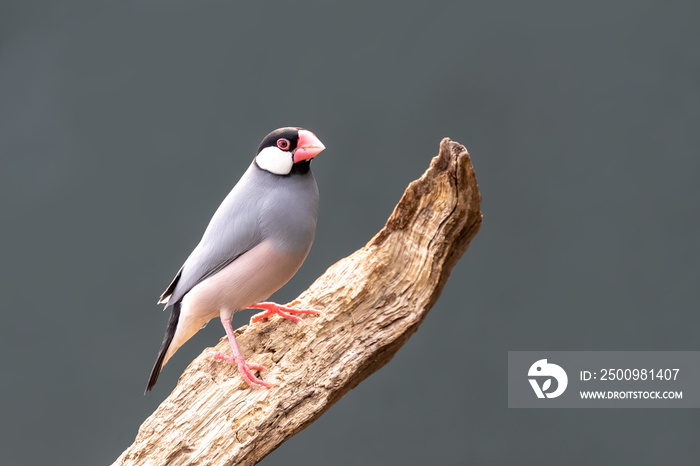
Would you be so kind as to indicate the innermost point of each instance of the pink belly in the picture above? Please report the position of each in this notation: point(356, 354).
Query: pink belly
point(251, 278)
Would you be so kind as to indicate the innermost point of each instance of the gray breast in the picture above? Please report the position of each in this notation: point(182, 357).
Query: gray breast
point(288, 210)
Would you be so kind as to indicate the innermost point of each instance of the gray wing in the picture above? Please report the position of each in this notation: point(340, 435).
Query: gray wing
point(233, 230)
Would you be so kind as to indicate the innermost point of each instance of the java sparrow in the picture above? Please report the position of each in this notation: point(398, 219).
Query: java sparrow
point(255, 242)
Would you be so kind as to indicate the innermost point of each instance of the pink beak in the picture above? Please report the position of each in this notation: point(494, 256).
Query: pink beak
point(308, 146)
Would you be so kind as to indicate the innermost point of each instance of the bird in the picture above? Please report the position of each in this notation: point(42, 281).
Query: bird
point(253, 245)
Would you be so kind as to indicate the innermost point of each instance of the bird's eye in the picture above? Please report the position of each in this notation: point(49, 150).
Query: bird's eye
point(283, 143)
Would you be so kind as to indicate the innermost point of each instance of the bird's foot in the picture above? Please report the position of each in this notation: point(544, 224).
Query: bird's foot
point(245, 370)
point(282, 311)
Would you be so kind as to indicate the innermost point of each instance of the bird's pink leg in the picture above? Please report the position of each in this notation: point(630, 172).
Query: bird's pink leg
point(243, 367)
point(282, 311)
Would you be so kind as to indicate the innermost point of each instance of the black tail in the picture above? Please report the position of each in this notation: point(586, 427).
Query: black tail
point(167, 339)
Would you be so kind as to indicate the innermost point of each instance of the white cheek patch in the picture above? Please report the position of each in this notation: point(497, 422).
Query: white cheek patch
point(275, 160)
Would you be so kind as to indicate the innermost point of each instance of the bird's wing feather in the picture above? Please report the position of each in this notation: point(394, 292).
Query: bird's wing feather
point(233, 230)
point(169, 290)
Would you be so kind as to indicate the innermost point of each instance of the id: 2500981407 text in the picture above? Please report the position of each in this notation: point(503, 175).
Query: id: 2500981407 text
point(630, 374)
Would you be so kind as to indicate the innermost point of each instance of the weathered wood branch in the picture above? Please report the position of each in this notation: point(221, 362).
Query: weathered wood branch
point(373, 301)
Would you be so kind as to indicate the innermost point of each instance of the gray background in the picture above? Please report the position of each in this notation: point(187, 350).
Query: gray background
point(124, 124)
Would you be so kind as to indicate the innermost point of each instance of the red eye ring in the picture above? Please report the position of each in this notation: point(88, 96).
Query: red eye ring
point(283, 143)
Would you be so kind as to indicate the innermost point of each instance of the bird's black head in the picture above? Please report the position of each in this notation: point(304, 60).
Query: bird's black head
point(288, 150)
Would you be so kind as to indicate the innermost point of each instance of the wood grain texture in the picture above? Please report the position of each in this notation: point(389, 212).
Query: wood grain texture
point(372, 302)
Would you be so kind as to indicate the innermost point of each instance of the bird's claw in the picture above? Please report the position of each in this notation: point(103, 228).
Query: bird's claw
point(286, 312)
point(244, 369)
